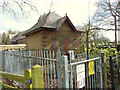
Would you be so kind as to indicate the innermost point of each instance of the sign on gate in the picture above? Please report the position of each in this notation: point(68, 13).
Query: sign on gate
point(80, 75)
point(91, 67)
point(71, 53)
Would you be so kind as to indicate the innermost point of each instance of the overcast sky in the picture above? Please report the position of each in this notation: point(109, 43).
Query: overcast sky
point(77, 11)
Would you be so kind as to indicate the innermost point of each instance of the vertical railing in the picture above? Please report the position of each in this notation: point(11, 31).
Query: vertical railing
point(17, 61)
point(112, 72)
point(62, 70)
point(71, 77)
point(59, 69)
point(101, 79)
point(92, 81)
point(3, 60)
point(45, 59)
point(65, 72)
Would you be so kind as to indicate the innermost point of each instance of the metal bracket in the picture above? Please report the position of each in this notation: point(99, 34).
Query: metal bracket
point(28, 81)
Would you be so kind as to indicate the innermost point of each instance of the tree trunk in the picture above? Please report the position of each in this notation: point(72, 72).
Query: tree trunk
point(115, 31)
point(114, 16)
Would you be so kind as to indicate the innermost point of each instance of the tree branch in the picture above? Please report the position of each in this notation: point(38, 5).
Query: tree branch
point(6, 6)
point(109, 4)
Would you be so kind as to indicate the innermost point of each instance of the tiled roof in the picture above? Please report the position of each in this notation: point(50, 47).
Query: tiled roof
point(18, 36)
point(46, 20)
point(12, 35)
point(50, 20)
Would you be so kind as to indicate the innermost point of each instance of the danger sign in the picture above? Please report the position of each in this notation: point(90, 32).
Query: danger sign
point(91, 67)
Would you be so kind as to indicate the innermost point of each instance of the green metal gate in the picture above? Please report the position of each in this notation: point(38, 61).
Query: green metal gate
point(78, 72)
point(90, 80)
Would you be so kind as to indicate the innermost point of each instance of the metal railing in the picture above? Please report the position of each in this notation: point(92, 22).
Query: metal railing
point(91, 81)
point(58, 71)
point(18, 61)
point(114, 72)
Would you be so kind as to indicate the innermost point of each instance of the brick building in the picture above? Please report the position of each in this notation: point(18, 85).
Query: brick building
point(53, 32)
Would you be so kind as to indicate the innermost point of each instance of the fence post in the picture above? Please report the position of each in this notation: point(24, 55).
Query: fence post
point(59, 69)
point(112, 72)
point(65, 72)
point(3, 60)
point(30, 60)
point(37, 77)
point(104, 69)
point(28, 83)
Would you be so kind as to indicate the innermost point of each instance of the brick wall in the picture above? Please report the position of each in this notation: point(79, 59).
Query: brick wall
point(36, 40)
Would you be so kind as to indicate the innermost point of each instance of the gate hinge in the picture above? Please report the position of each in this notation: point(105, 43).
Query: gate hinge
point(28, 81)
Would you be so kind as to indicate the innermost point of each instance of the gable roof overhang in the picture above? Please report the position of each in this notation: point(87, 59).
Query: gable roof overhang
point(18, 36)
point(70, 24)
point(40, 29)
point(54, 25)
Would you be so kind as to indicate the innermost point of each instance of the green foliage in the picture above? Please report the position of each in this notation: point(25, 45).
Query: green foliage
point(5, 39)
point(96, 50)
point(12, 32)
point(8, 41)
point(110, 51)
point(116, 61)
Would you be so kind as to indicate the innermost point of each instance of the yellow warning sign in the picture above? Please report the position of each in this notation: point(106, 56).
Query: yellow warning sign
point(91, 67)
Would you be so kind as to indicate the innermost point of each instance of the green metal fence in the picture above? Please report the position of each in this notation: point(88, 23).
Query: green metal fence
point(58, 71)
point(77, 71)
point(18, 61)
point(114, 72)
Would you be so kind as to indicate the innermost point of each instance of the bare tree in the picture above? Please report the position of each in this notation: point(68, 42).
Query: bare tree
point(8, 41)
point(106, 16)
point(4, 38)
point(115, 19)
point(12, 6)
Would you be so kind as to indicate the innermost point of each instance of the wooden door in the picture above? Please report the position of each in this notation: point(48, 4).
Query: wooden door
point(65, 44)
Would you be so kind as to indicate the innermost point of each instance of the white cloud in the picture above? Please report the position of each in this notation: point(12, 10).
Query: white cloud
point(77, 10)
point(110, 35)
point(16, 24)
